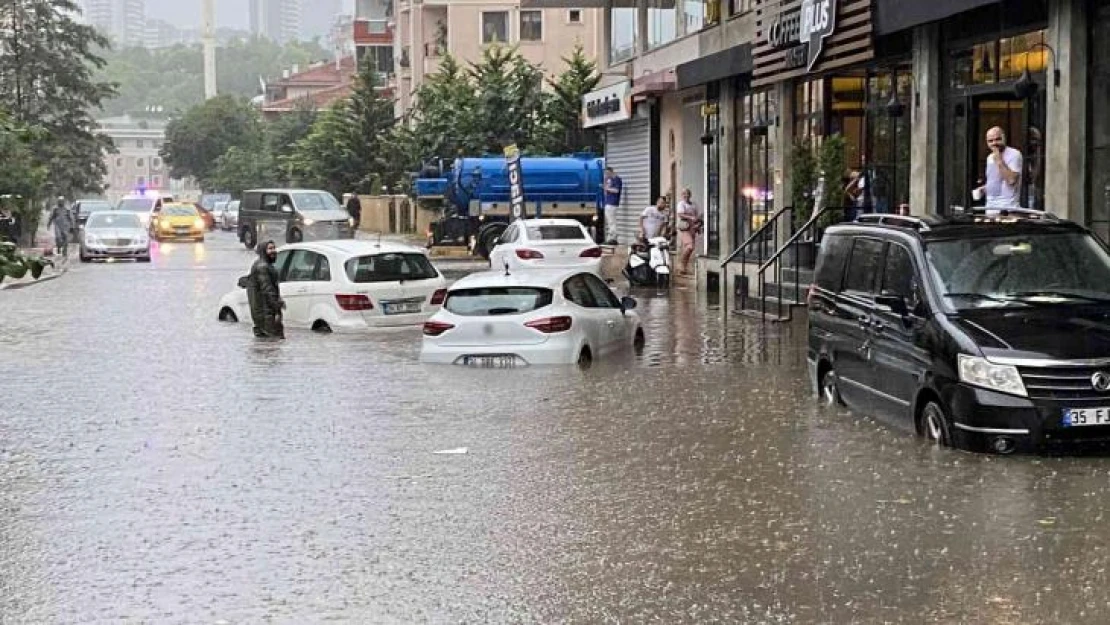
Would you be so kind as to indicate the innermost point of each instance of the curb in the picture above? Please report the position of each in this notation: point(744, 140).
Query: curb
point(25, 282)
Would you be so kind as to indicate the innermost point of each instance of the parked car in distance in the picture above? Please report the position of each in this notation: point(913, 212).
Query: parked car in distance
point(291, 216)
point(228, 217)
point(545, 243)
point(143, 204)
point(349, 285)
point(981, 330)
point(114, 234)
point(534, 317)
point(86, 206)
point(206, 216)
point(178, 221)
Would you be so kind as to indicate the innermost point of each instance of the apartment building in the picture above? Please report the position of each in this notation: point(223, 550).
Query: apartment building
point(279, 20)
point(124, 21)
point(427, 31)
point(137, 165)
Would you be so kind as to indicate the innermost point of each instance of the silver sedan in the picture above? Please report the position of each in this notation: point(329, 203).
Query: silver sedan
point(115, 234)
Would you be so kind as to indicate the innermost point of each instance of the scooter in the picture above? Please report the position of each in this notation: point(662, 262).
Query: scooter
point(650, 265)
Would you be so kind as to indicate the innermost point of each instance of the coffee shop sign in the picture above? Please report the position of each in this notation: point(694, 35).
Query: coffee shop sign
point(803, 34)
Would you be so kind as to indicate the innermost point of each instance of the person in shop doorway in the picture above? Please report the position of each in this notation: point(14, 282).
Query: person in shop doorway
point(1003, 175)
point(613, 186)
point(655, 220)
point(689, 226)
point(354, 209)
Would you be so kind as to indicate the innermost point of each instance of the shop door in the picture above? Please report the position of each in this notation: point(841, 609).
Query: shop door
point(628, 151)
point(1098, 137)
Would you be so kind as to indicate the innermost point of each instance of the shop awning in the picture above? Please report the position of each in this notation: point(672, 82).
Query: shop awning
point(650, 84)
point(716, 66)
point(892, 16)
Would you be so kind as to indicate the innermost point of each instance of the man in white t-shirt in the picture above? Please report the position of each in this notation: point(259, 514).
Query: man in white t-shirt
point(655, 220)
point(1004, 166)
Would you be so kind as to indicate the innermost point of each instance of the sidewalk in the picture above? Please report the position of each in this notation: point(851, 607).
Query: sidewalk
point(44, 241)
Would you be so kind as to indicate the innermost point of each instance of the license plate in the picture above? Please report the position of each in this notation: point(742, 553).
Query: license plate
point(401, 308)
point(493, 362)
point(1075, 417)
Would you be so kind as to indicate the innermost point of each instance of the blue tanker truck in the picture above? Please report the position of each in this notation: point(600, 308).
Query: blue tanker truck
point(472, 195)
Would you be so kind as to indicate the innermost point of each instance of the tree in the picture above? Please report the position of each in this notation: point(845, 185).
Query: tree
point(444, 120)
point(283, 133)
point(510, 98)
point(239, 169)
point(47, 62)
point(347, 145)
point(562, 131)
point(196, 140)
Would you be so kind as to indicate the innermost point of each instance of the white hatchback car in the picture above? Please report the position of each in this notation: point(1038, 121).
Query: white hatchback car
point(499, 319)
point(349, 285)
point(546, 243)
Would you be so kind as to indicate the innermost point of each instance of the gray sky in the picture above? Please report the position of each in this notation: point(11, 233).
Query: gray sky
point(229, 13)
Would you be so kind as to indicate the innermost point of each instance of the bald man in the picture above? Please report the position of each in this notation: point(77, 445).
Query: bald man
point(1003, 188)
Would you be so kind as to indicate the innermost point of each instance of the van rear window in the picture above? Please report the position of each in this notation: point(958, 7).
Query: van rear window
point(830, 263)
point(389, 268)
point(497, 300)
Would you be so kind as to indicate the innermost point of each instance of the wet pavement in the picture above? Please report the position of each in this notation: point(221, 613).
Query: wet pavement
point(158, 466)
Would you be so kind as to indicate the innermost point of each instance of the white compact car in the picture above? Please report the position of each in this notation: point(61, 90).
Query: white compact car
point(349, 284)
point(505, 319)
point(546, 243)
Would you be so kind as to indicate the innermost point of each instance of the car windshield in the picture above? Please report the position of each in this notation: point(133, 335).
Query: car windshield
point(179, 211)
point(100, 220)
point(513, 300)
point(136, 205)
point(390, 268)
point(1020, 270)
point(556, 233)
point(86, 208)
point(315, 201)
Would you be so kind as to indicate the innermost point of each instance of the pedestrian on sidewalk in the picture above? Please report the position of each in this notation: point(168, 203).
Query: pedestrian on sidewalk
point(264, 294)
point(62, 221)
point(689, 226)
point(613, 186)
point(354, 209)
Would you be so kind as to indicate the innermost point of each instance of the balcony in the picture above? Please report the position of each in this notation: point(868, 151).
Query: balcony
point(370, 32)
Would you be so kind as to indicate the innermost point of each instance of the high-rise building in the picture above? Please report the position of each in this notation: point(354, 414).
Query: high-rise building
point(318, 18)
point(124, 21)
point(279, 20)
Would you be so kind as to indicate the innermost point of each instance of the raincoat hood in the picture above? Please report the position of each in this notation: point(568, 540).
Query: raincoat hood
point(262, 250)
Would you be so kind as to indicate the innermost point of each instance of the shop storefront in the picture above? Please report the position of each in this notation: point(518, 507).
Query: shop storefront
point(1098, 113)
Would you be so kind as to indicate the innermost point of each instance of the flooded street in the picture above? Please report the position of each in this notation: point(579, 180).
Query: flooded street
point(159, 466)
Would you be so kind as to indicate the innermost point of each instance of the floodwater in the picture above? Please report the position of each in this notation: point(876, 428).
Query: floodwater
point(158, 466)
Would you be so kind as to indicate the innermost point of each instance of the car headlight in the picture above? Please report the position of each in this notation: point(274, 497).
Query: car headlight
point(308, 222)
point(91, 240)
point(981, 372)
point(198, 223)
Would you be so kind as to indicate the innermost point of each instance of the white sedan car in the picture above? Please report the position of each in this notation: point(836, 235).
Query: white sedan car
point(546, 243)
point(349, 285)
point(499, 319)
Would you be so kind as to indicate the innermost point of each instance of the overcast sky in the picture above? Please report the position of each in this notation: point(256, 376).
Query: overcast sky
point(229, 13)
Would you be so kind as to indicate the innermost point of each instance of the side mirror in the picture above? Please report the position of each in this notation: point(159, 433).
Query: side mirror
point(285, 208)
point(895, 303)
point(627, 303)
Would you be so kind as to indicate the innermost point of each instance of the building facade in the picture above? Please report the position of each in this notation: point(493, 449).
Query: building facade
point(279, 20)
point(123, 21)
point(317, 86)
point(728, 93)
point(427, 31)
point(137, 165)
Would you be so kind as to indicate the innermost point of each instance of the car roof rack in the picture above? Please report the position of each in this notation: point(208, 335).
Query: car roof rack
point(901, 221)
point(983, 214)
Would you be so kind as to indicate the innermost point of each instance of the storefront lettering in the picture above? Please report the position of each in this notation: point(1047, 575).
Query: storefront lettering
point(607, 105)
point(603, 106)
point(783, 31)
point(818, 23)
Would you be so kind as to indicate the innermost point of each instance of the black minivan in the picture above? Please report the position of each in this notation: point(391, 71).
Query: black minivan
point(977, 330)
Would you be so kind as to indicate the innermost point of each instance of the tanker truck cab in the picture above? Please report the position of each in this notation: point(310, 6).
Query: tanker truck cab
point(291, 216)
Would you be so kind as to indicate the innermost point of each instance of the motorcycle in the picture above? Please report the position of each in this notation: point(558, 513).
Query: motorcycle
point(649, 263)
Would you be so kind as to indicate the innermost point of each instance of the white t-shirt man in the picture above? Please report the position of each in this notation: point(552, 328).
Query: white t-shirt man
point(653, 220)
point(1001, 194)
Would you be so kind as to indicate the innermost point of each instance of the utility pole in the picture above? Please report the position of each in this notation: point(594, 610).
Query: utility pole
point(208, 24)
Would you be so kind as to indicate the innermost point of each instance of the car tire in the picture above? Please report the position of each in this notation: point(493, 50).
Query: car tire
point(295, 236)
point(200, 240)
point(638, 341)
point(249, 238)
point(83, 258)
point(830, 389)
point(144, 259)
point(935, 425)
point(585, 357)
point(228, 315)
point(321, 326)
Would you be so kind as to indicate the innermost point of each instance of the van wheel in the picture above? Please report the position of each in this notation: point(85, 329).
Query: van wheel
point(295, 236)
point(585, 358)
point(228, 315)
point(638, 341)
point(934, 424)
point(830, 391)
point(249, 238)
point(321, 326)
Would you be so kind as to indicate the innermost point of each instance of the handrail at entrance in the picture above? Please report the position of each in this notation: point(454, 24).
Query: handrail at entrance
point(755, 235)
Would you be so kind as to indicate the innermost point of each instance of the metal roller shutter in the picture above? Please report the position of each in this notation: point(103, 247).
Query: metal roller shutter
point(628, 152)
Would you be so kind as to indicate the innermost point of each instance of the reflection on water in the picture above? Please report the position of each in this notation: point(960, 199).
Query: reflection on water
point(208, 476)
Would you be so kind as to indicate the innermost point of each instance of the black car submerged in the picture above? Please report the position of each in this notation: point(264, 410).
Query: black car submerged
point(976, 330)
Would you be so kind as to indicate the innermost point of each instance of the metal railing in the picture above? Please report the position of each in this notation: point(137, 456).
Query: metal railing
point(759, 244)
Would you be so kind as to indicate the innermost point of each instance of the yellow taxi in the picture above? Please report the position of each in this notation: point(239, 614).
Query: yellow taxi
point(176, 220)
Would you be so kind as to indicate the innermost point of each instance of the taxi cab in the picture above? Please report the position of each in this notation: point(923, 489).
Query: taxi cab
point(177, 221)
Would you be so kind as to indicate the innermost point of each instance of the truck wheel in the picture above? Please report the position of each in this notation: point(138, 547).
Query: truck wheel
point(295, 236)
point(249, 238)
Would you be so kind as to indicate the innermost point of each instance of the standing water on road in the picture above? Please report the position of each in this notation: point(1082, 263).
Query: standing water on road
point(159, 466)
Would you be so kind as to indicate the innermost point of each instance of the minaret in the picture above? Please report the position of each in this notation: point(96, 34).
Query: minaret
point(208, 24)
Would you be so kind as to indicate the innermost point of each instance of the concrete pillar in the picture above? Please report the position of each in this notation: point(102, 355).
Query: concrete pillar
point(925, 122)
point(726, 107)
point(641, 27)
point(781, 133)
point(1066, 125)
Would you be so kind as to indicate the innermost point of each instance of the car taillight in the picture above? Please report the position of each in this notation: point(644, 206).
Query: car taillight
point(354, 302)
point(435, 328)
point(593, 252)
point(550, 325)
point(438, 297)
point(528, 254)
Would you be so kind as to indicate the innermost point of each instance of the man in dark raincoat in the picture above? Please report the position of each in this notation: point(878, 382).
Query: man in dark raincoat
point(264, 295)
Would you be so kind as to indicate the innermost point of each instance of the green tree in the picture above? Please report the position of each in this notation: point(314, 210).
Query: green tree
point(283, 133)
point(195, 141)
point(444, 120)
point(47, 62)
point(239, 169)
point(510, 98)
point(348, 145)
point(561, 131)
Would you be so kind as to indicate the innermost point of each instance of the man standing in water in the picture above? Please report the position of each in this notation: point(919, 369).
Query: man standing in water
point(264, 294)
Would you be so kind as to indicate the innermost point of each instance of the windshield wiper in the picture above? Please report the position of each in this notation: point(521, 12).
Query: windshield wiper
point(1062, 294)
point(979, 296)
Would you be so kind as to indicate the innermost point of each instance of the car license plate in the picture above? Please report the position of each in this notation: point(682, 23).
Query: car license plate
point(1074, 417)
point(493, 362)
point(401, 308)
